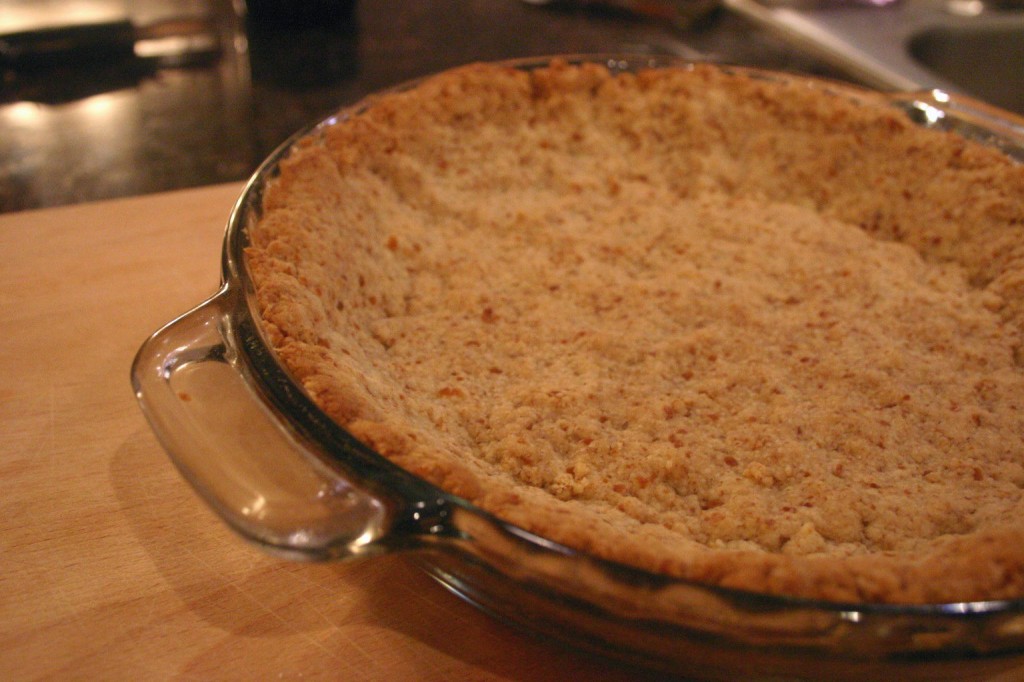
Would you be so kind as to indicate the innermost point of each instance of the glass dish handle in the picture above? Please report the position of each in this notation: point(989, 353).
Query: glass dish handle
point(256, 473)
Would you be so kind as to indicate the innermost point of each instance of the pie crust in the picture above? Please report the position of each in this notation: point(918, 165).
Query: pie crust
point(753, 330)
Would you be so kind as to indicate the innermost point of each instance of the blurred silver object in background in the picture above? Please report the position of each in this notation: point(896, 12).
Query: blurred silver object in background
point(973, 47)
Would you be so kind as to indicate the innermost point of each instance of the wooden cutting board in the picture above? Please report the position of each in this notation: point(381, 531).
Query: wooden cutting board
point(110, 567)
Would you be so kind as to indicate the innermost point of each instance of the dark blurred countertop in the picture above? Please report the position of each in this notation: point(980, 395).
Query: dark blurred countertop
point(82, 132)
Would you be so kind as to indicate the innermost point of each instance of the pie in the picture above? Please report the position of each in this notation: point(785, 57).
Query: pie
point(758, 331)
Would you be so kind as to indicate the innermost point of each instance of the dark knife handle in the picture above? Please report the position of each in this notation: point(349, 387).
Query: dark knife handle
point(46, 47)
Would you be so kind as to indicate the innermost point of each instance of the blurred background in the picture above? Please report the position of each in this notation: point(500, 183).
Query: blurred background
point(109, 98)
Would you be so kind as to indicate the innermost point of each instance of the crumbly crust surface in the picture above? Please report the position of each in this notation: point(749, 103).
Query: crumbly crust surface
point(765, 334)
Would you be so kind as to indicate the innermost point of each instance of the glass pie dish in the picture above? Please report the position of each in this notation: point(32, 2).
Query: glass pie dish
point(282, 474)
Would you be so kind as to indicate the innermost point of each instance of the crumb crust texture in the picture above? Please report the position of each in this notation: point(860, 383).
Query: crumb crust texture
point(763, 333)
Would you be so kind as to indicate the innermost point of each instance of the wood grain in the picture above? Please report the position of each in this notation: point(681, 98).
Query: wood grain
point(110, 567)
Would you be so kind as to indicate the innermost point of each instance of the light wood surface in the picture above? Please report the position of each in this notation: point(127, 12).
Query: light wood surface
point(110, 567)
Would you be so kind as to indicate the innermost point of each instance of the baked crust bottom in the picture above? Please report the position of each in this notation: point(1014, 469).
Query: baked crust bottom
point(757, 332)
